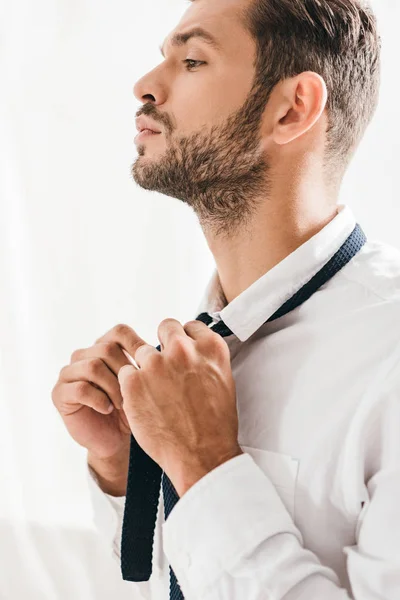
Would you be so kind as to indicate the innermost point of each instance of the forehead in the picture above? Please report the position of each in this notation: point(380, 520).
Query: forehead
point(221, 19)
point(214, 9)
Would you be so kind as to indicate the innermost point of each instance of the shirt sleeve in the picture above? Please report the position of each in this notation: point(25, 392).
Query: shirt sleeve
point(108, 514)
point(230, 536)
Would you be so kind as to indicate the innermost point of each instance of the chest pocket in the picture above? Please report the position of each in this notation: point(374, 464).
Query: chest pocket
point(281, 469)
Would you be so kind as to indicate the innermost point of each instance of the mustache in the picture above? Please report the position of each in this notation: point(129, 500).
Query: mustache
point(150, 111)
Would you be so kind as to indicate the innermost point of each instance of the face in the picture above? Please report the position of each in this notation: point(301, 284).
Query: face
point(201, 97)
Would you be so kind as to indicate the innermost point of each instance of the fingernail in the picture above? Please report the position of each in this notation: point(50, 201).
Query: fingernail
point(110, 408)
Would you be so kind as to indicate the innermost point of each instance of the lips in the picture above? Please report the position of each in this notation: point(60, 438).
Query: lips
point(144, 134)
point(143, 124)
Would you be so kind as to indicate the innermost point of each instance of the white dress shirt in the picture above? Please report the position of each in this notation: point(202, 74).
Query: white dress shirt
point(311, 510)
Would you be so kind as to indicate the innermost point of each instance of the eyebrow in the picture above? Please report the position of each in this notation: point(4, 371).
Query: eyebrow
point(180, 39)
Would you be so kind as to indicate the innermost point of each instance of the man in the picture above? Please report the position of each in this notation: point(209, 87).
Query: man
point(282, 439)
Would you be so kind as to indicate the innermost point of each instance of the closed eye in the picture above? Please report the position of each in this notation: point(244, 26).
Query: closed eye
point(191, 66)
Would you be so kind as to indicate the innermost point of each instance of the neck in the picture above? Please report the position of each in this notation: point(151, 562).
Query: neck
point(288, 217)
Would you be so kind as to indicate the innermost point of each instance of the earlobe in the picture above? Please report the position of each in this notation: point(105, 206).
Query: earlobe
point(305, 99)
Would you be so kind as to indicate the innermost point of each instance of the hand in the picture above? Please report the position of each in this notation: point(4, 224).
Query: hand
point(88, 386)
point(181, 402)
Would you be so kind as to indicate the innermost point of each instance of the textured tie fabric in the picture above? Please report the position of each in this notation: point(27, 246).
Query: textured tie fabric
point(170, 499)
point(144, 475)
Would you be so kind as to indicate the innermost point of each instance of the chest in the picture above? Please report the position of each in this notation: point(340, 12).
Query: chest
point(297, 392)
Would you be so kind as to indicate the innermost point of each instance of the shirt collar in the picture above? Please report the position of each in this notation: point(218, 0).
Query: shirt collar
point(255, 305)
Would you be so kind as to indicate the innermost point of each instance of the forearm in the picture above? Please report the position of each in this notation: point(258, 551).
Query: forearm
point(111, 472)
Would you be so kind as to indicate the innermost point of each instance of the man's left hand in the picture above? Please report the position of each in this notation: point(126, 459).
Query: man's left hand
point(181, 402)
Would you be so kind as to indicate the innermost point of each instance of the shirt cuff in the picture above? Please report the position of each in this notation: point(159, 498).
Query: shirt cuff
point(221, 518)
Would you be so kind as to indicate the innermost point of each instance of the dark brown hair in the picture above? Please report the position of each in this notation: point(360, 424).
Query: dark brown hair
point(338, 39)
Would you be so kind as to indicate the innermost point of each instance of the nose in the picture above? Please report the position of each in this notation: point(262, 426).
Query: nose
point(149, 88)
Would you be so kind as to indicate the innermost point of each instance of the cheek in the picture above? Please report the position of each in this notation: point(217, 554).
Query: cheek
point(203, 106)
point(209, 95)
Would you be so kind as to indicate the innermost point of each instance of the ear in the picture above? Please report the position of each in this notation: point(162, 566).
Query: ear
point(303, 100)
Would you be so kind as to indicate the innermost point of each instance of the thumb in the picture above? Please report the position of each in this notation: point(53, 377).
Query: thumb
point(124, 374)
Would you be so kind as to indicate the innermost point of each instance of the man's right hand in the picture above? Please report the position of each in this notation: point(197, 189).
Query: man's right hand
point(85, 390)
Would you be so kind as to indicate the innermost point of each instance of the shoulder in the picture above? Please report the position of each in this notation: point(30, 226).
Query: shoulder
point(376, 268)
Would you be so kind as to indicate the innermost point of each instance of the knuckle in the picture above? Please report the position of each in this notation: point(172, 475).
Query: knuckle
point(62, 373)
point(110, 348)
point(76, 355)
point(222, 353)
point(221, 347)
point(180, 351)
point(215, 345)
point(121, 329)
point(219, 342)
point(179, 345)
point(82, 388)
point(95, 366)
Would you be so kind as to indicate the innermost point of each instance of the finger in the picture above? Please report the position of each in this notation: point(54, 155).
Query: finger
point(96, 372)
point(68, 397)
point(111, 353)
point(131, 384)
point(169, 328)
point(198, 330)
point(144, 353)
point(125, 377)
point(207, 340)
point(125, 336)
point(131, 360)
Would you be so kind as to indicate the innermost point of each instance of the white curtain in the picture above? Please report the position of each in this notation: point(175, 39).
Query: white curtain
point(83, 248)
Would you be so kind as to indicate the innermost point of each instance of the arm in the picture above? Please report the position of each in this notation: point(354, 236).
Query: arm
point(252, 549)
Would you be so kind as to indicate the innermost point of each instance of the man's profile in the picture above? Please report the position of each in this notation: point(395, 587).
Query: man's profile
point(252, 119)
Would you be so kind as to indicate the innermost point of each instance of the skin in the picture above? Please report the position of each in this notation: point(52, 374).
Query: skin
point(181, 402)
point(253, 174)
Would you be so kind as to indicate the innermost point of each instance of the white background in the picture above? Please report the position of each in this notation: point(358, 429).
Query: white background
point(83, 248)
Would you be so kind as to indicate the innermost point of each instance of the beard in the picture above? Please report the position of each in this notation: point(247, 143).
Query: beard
point(222, 173)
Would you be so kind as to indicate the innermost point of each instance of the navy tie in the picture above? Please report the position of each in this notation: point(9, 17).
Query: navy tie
point(144, 475)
